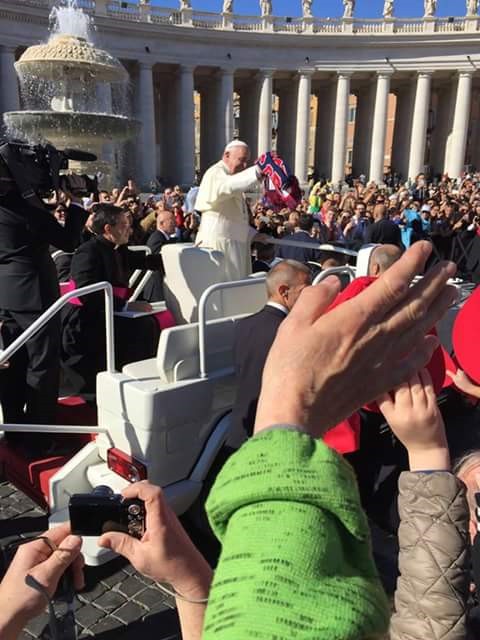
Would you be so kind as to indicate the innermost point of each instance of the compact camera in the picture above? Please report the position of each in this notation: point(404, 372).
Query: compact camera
point(101, 511)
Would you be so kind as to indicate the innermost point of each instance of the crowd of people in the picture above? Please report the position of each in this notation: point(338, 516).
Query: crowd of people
point(320, 371)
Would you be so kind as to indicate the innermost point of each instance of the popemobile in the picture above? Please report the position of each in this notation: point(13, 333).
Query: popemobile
point(166, 419)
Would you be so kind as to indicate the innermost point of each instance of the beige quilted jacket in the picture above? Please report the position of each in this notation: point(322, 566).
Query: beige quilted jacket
point(432, 590)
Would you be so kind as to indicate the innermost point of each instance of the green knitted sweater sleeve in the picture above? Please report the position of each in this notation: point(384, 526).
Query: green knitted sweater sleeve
point(296, 559)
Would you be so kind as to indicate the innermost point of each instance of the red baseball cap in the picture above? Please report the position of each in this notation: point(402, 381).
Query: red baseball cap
point(465, 338)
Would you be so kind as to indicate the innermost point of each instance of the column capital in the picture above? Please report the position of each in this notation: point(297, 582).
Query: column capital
point(265, 73)
point(8, 48)
point(225, 71)
point(465, 73)
point(385, 73)
point(425, 73)
point(145, 65)
point(306, 71)
point(347, 74)
point(184, 69)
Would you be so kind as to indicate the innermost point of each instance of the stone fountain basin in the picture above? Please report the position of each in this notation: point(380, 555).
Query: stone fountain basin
point(66, 56)
point(71, 129)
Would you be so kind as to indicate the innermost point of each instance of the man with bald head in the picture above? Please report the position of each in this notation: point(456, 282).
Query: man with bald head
point(382, 258)
point(153, 291)
point(383, 230)
point(255, 335)
point(224, 223)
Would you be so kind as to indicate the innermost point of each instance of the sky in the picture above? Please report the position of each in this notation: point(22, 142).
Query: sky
point(332, 8)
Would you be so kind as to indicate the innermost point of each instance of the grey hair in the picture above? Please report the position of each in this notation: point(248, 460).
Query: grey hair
point(233, 144)
point(285, 272)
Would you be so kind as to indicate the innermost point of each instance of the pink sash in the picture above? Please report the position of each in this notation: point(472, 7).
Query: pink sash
point(164, 319)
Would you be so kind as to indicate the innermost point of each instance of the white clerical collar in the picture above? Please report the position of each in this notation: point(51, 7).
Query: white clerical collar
point(277, 305)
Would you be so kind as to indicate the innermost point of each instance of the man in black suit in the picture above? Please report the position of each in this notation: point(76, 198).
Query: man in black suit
point(105, 257)
point(302, 234)
point(255, 335)
point(28, 286)
point(383, 230)
point(153, 290)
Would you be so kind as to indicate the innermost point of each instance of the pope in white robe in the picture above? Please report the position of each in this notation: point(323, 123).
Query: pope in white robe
point(224, 224)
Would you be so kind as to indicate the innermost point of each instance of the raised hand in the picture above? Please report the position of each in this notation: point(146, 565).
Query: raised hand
point(324, 366)
point(412, 412)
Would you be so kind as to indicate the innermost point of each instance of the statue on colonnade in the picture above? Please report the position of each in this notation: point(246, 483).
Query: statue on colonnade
point(266, 8)
point(388, 9)
point(472, 7)
point(185, 4)
point(349, 8)
point(227, 6)
point(307, 8)
point(430, 8)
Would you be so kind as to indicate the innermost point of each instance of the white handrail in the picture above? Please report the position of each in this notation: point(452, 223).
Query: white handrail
point(333, 271)
point(136, 274)
point(202, 314)
point(133, 278)
point(47, 315)
point(311, 245)
point(52, 428)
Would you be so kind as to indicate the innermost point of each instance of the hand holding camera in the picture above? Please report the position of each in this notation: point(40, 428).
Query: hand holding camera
point(45, 559)
point(165, 552)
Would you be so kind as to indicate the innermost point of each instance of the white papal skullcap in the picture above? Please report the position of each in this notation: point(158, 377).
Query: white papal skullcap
point(235, 143)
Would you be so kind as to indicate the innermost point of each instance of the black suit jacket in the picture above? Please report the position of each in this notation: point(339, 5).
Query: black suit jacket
point(153, 290)
point(28, 278)
point(253, 338)
point(297, 253)
point(384, 232)
point(97, 260)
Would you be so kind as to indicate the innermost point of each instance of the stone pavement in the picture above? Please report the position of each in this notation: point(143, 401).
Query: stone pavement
point(120, 604)
point(117, 602)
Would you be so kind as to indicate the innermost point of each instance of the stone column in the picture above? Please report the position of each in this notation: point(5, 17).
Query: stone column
point(363, 128)
point(379, 132)
point(461, 118)
point(443, 100)
point(303, 124)
point(224, 110)
point(286, 125)
point(9, 97)
point(324, 129)
point(402, 129)
point(186, 126)
point(249, 95)
point(416, 160)
point(340, 127)
point(265, 111)
point(146, 151)
point(208, 125)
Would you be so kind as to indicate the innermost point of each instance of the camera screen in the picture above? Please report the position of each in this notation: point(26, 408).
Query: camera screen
point(95, 519)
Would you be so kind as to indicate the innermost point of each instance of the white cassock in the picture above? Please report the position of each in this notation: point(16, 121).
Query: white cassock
point(224, 225)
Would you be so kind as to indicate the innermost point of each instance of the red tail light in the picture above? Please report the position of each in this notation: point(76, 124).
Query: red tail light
point(126, 466)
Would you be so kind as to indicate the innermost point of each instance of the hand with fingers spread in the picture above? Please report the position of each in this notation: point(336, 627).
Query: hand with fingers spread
point(166, 554)
point(333, 363)
point(20, 602)
point(412, 412)
point(463, 382)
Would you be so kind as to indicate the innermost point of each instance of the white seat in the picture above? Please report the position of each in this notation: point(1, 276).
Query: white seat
point(178, 353)
point(189, 270)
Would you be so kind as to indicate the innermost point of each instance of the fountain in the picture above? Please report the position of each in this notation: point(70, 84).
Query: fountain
point(71, 90)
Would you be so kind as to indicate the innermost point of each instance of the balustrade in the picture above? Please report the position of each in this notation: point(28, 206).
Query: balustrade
point(136, 11)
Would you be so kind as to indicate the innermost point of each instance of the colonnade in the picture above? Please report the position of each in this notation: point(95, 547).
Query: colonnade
point(165, 106)
point(163, 102)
